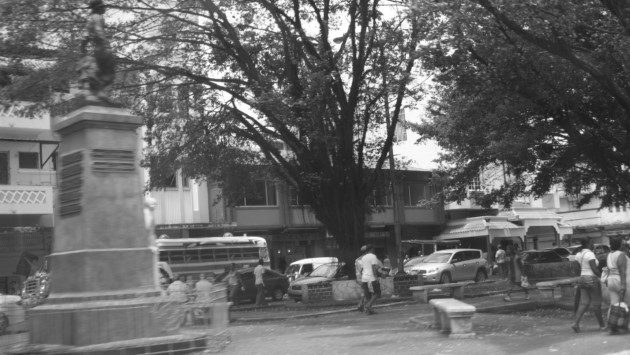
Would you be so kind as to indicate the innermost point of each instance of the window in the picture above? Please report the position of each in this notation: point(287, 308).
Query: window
point(262, 193)
point(413, 194)
point(29, 160)
point(171, 181)
point(472, 255)
point(475, 185)
point(382, 196)
point(400, 133)
point(294, 198)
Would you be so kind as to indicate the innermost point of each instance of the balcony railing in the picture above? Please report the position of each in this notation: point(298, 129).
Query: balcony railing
point(26, 199)
point(16, 241)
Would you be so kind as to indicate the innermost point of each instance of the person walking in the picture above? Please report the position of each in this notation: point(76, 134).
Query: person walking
point(235, 284)
point(370, 271)
point(616, 281)
point(589, 286)
point(259, 271)
point(203, 289)
point(499, 258)
point(515, 272)
point(358, 268)
point(178, 290)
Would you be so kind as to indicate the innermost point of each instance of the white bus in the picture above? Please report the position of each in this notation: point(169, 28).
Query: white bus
point(194, 256)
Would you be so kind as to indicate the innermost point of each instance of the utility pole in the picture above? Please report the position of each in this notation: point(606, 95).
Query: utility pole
point(396, 207)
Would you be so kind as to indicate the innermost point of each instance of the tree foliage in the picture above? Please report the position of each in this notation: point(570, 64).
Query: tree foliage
point(537, 89)
point(221, 82)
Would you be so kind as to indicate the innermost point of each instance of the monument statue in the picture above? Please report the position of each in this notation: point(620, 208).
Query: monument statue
point(96, 69)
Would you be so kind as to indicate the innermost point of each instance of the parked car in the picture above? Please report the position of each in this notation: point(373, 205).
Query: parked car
point(276, 284)
point(541, 256)
point(323, 273)
point(451, 265)
point(303, 267)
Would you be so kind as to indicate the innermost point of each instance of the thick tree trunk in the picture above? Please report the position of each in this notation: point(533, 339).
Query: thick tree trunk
point(344, 216)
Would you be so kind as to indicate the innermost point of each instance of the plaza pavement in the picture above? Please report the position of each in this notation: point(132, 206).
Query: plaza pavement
point(403, 326)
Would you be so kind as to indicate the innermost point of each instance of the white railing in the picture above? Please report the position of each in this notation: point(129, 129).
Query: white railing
point(26, 199)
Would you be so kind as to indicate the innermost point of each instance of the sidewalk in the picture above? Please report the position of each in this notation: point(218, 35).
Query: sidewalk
point(486, 296)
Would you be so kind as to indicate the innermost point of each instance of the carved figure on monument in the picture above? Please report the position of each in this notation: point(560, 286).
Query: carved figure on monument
point(96, 69)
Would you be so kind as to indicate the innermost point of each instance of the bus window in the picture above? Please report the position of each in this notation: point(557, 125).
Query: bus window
point(176, 257)
point(206, 255)
point(221, 255)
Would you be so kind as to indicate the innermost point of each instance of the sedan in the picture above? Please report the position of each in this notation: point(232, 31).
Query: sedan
point(276, 284)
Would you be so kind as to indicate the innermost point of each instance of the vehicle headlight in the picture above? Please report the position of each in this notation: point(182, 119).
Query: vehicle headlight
point(432, 271)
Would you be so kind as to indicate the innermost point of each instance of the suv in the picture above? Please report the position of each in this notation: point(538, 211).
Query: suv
point(449, 265)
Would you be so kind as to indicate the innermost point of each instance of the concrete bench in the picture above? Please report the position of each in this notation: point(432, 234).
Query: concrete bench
point(551, 290)
point(422, 292)
point(453, 317)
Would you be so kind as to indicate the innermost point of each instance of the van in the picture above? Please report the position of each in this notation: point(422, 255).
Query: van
point(302, 267)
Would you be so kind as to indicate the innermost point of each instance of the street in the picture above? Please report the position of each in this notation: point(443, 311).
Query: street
point(391, 331)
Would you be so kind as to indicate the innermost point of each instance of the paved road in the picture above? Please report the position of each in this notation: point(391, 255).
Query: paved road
point(391, 332)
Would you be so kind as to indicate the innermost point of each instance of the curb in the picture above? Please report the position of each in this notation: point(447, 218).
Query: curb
point(313, 314)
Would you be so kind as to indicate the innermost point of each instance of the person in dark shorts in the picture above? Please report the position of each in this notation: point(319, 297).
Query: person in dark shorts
point(588, 286)
point(371, 270)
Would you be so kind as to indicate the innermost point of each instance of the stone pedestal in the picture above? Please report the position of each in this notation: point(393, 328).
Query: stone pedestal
point(102, 268)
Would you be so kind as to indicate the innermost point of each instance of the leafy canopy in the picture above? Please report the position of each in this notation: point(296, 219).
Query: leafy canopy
point(537, 90)
point(221, 82)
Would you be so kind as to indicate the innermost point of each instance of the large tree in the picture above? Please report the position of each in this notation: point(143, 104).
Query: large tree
point(221, 82)
point(538, 89)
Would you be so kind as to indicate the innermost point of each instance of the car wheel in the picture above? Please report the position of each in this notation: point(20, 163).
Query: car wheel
point(4, 323)
point(481, 276)
point(445, 278)
point(277, 294)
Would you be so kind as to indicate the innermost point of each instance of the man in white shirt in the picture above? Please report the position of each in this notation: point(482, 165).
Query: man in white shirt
point(369, 278)
point(259, 271)
point(499, 257)
point(358, 268)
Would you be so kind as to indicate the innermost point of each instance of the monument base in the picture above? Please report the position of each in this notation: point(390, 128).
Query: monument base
point(192, 342)
point(96, 322)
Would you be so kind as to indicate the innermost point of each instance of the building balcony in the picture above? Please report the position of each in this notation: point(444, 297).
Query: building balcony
point(258, 216)
point(24, 199)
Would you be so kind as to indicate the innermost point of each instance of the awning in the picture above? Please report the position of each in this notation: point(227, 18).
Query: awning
point(491, 226)
point(537, 217)
point(520, 214)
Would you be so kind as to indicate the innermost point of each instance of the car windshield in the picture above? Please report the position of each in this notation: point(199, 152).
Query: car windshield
point(438, 258)
point(326, 270)
point(292, 269)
